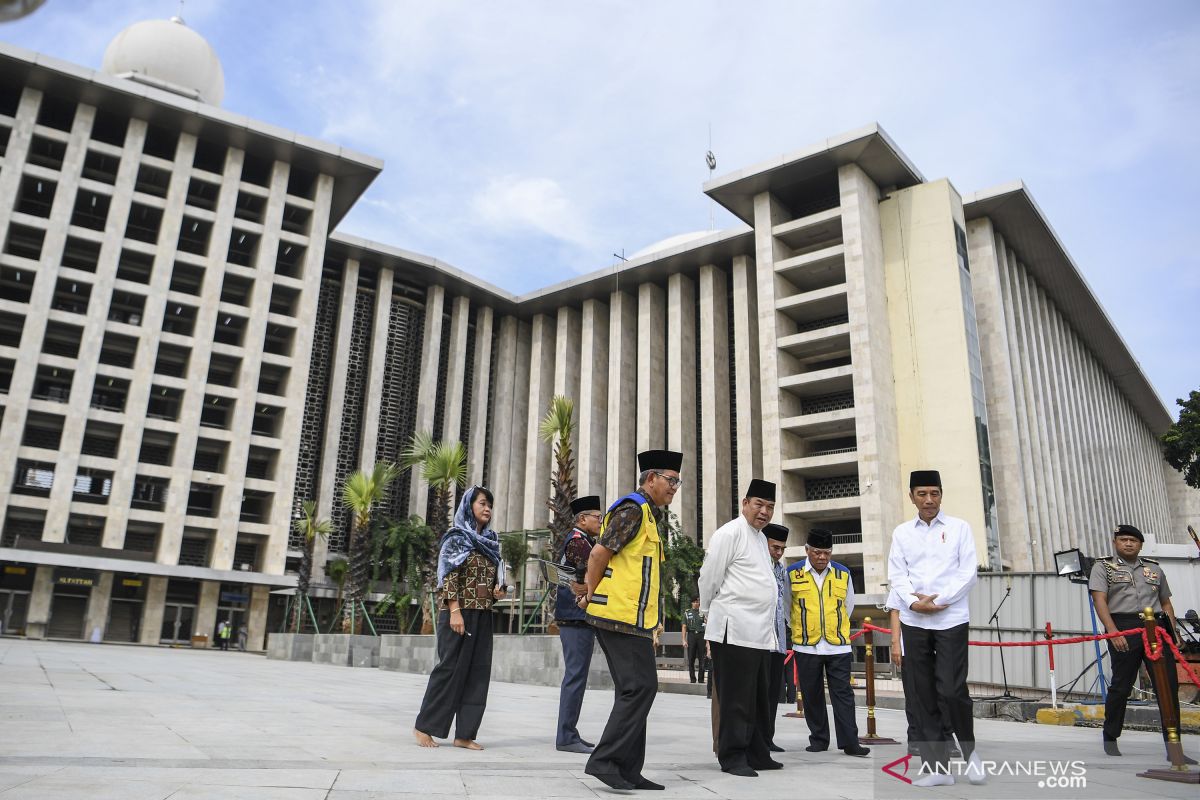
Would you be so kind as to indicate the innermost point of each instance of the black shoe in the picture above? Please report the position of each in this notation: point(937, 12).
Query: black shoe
point(693, 680)
point(586, 743)
point(857, 750)
point(913, 750)
point(742, 772)
point(1110, 748)
point(770, 763)
point(612, 780)
point(643, 783)
point(816, 748)
point(573, 747)
point(776, 748)
point(953, 752)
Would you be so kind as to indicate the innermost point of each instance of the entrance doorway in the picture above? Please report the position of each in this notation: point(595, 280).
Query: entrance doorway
point(178, 621)
point(12, 611)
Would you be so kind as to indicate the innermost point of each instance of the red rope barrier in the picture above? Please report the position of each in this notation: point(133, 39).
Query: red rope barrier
point(1152, 655)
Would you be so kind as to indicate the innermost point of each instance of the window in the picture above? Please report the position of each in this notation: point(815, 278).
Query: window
point(81, 254)
point(7, 365)
point(179, 319)
point(109, 128)
point(71, 296)
point(56, 113)
point(135, 266)
point(204, 501)
point(85, 531)
point(229, 330)
point(157, 448)
point(118, 350)
point(48, 153)
point(261, 463)
point(91, 210)
point(256, 506)
point(109, 394)
point(24, 241)
point(210, 455)
point(142, 537)
point(236, 290)
point(101, 439)
point(224, 370)
point(193, 236)
point(288, 259)
point(272, 379)
point(35, 196)
point(250, 207)
point(149, 492)
point(126, 308)
point(256, 170)
point(101, 167)
point(284, 300)
point(152, 181)
point(279, 340)
point(92, 485)
point(164, 403)
point(172, 360)
point(217, 412)
point(144, 222)
point(16, 285)
point(62, 340)
point(267, 420)
point(160, 142)
point(295, 219)
point(302, 183)
point(187, 278)
point(210, 156)
point(43, 431)
point(242, 248)
point(193, 550)
point(34, 477)
point(203, 194)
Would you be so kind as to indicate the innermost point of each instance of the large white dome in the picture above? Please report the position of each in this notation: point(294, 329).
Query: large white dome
point(167, 54)
point(671, 242)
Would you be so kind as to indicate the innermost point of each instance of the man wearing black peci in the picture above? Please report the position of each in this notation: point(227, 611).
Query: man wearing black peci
point(575, 635)
point(622, 604)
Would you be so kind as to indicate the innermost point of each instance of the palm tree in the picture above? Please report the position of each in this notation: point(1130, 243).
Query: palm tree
point(309, 527)
point(402, 549)
point(360, 494)
point(443, 467)
point(558, 426)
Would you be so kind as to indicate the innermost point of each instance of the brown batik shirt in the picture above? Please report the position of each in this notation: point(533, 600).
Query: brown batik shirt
point(470, 584)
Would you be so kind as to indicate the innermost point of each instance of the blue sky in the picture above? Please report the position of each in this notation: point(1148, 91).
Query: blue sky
point(526, 142)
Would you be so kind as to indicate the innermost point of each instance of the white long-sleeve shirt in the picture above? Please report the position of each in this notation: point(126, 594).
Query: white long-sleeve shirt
point(934, 558)
point(738, 589)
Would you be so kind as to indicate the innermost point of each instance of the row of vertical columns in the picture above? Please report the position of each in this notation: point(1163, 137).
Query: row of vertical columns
point(593, 400)
point(714, 445)
point(681, 396)
point(537, 453)
point(435, 300)
point(481, 369)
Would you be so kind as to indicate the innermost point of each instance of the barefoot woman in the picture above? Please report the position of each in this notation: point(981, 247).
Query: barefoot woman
point(468, 583)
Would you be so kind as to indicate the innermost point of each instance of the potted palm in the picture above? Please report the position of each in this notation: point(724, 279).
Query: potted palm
point(293, 644)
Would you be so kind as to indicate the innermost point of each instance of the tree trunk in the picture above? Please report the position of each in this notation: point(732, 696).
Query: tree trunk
point(302, 582)
point(356, 577)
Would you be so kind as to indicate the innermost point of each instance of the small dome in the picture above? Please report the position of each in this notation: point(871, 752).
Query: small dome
point(671, 242)
point(169, 55)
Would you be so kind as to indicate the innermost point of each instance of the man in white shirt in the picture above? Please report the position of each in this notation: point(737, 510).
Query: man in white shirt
point(931, 568)
point(822, 600)
point(738, 592)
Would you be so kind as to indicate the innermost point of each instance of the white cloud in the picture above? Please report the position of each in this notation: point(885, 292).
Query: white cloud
point(514, 205)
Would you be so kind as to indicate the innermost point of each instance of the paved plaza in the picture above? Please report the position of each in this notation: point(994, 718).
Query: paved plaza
point(136, 723)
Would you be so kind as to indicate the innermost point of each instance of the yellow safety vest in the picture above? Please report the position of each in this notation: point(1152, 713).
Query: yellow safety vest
point(820, 613)
point(628, 591)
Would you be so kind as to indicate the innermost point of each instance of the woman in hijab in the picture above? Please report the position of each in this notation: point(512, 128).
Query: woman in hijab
point(468, 578)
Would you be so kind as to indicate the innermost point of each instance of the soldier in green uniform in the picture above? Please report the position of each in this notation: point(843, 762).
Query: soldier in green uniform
point(693, 639)
point(1122, 585)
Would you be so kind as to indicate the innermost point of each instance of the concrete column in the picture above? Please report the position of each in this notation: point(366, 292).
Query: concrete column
point(482, 369)
point(567, 346)
point(593, 400)
point(714, 401)
point(621, 476)
point(256, 618)
point(1008, 474)
point(456, 369)
point(651, 367)
point(97, 606)
point(373, 402)
point(768, 212)
point(41, 596)
point(293, 419)
point(206, 610)
point(150, 631)
point(418, 498)
point(537, 452)
point(327, 477)
point(746, 377)
point(881, 487)
point(682, 397)
point(117, 517)
point(502, 425)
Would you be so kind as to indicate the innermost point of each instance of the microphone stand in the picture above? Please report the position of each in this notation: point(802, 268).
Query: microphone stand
point(995, 623)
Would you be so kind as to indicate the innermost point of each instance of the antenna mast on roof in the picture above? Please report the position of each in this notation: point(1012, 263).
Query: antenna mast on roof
point(711, 160)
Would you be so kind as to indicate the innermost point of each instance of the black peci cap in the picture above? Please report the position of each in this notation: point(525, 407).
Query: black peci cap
point(589, 503)
point(776, 533)
point(659, 459)
point(924, 477)
point(822, 539)
point(763, 490)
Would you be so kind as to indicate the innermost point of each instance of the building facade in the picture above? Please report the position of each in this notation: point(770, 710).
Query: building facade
point(188, 351)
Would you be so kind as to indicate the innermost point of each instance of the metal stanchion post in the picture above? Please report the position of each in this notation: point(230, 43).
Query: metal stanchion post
point(799, 712)
point(1179, 772)
point(871, 737)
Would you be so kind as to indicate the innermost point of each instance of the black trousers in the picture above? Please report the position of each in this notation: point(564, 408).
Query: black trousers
point(695, 655)
point(742, 680)
point(937, 661)
point(458, 685)
point(790, 674)
point(910, 710)
point(814, 672)
point(577, 641)
point(1124, 673)
point(775, 684)
point(622, 747)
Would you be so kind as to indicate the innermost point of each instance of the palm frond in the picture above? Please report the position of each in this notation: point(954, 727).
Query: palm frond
point(418, 450)
point(559, 422)
point(307, 524)
point(445, 466)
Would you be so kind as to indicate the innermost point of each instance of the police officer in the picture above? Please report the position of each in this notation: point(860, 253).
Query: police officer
point(693, 632)
point(1122, 585)
point(576, 636)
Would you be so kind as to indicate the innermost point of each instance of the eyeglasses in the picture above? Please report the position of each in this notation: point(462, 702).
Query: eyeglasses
point(671, 480)
point(817, 552)
point(595, 514)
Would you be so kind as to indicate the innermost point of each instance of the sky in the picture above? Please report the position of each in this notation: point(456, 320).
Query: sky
point(528, 142)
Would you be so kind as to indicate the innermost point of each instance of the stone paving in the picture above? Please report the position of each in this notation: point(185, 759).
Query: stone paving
point(135, 723)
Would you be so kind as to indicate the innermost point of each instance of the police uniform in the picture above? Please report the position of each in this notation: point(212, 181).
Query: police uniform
point(693, 625)
point(1129, 588)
